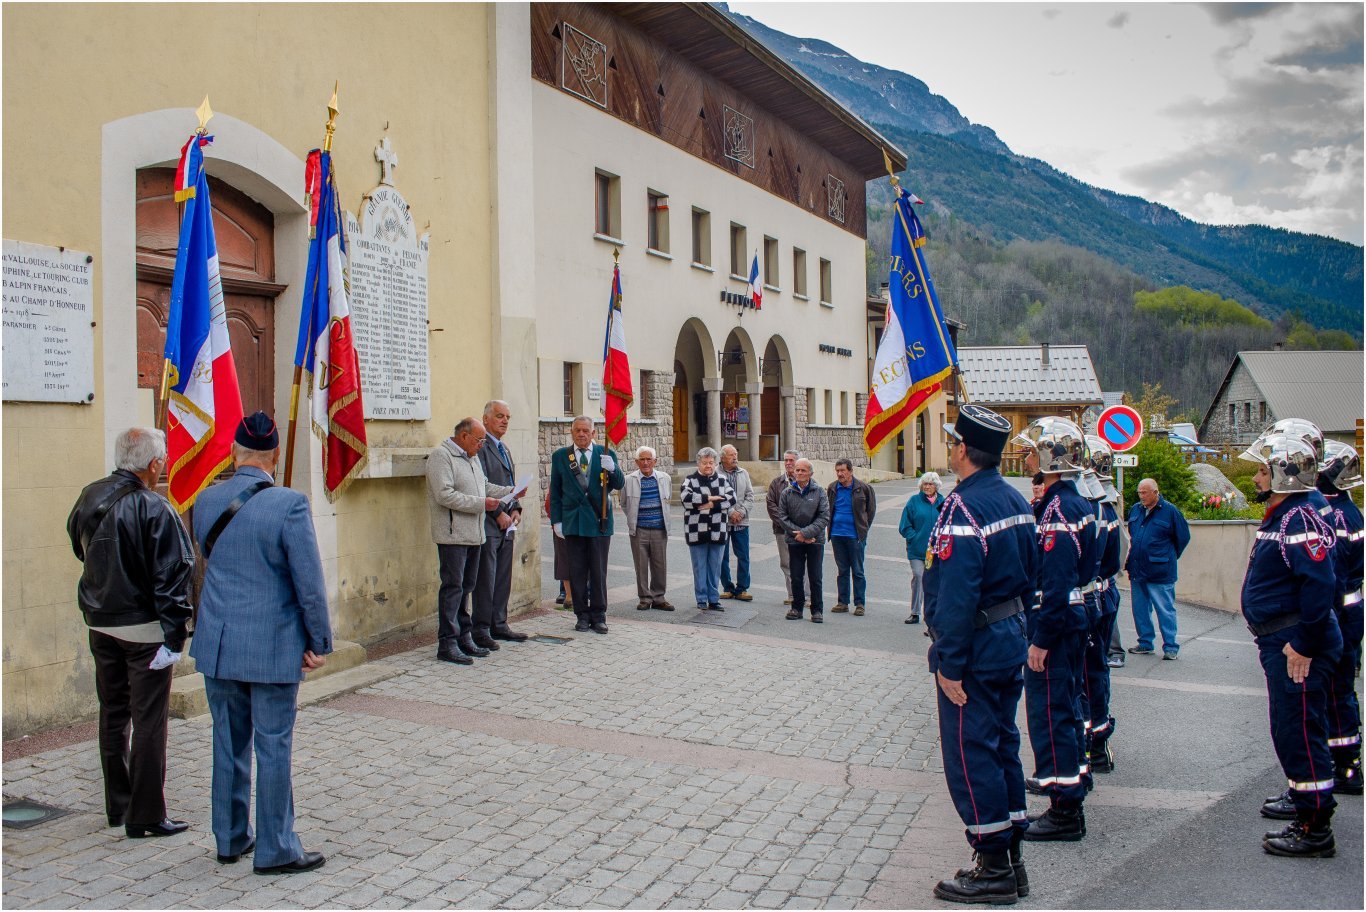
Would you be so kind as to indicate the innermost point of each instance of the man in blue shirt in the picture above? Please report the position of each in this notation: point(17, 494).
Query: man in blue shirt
point(1157, 535)
point(980, 568)
point(645, 501)
point(852, 508)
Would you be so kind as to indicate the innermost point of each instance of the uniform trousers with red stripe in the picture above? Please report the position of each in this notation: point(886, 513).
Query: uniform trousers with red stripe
point(1098, 677)
point(981, 748)
point(1344, 710)
point(1053, 708)
point(1299, 728)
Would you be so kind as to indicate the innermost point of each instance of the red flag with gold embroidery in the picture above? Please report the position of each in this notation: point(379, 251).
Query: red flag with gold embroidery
point(617, 394)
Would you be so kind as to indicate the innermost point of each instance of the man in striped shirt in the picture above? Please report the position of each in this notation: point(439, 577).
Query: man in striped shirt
point(645, 501)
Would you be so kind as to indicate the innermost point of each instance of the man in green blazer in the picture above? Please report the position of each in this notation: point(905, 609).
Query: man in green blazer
point(582, 516)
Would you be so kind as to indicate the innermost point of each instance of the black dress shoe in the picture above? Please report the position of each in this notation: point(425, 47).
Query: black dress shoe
point(486, 641)
point(167, 827)
point(455, 656)
point(599, 628)
point(582, 627)
point(507, 634)
point(468, 647)
point(715, 606)
point(309, 862)
point(233, 859)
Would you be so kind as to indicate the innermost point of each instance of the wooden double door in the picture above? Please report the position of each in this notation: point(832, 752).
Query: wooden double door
point(245, 233)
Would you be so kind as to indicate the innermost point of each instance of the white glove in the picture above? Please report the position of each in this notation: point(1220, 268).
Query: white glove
point(163, 659)
point(608, 463)
point(559, 530)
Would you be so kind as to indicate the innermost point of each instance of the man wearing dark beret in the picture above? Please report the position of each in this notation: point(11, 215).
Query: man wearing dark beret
point(262, 624)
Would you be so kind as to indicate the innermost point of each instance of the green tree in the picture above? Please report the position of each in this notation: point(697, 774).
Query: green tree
point(1152, 402)
point(1189, 307)
point(1164, 464)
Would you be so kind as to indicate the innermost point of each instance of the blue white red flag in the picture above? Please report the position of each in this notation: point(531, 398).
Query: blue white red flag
point(326, 349)
point(204, 405)
point(916, 353)
point(756, 287)
point(617, 392)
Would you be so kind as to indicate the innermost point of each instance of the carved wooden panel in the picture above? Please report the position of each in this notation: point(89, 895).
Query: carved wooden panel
point(664, 93)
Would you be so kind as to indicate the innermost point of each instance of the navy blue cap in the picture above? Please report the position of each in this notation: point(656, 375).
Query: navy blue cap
point(980, 428)
point(257, 432)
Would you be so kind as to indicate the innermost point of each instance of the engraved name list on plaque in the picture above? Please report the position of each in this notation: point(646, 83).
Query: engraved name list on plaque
point(388, 269)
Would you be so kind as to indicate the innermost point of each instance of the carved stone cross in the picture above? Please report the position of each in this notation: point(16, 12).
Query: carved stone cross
point(388, 161)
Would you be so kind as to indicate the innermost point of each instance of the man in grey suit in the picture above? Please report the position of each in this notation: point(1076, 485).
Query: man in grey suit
point(494, 585)
point(262, 624)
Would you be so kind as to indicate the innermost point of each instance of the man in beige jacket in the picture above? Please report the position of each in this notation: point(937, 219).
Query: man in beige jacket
point(458, 497)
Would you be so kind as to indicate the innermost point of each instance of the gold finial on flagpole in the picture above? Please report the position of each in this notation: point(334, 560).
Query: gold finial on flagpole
point(332, 112)
point(205, 114)
point(616, 255)
point(891, 172)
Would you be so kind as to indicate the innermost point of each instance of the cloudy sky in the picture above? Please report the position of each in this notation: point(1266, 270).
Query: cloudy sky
point(1230, 113)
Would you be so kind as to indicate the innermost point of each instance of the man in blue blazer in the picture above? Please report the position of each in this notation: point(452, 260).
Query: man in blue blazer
point(577, 515)
point(262, 624)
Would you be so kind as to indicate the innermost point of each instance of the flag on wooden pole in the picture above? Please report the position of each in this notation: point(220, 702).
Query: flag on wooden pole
point(916, 354)
point(326, 350)
point(617, 394)
point(203, 402)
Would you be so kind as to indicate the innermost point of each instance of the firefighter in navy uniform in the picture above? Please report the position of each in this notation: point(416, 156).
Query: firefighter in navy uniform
point(1100, 459)
point(979, 573)
point(1309, 432)
point(1093, 596)
point(1339, 473)
point(1287, 600)
point(1057, 628)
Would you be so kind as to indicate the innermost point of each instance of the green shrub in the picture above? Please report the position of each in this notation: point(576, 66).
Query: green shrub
point(1164, 464)
point(1240, 472)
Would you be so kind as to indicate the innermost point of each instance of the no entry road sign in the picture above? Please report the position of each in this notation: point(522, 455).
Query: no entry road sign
point(1121, 427)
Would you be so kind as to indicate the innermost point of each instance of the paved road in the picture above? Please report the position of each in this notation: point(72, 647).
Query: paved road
point(678, 764)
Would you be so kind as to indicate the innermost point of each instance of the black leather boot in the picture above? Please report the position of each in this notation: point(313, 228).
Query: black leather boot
point(1058, 824)
point(1347, 774)
point(467, 645)
point(991, 881)
point(484, 641)
point(1302, 840)
point(1102, 758)
point(451, 653)
point(1279, 807)
point(1035, 787)
point(1016, 863)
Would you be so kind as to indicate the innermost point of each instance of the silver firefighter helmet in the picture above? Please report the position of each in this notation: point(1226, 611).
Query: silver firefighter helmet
point(1341, 466)
point(1294, 467)
point(1302, 428)
point(1100, 457)
point(1059, 444)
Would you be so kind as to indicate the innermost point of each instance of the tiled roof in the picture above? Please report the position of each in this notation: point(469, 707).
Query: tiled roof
point(1015, 375)
point(1323, 386)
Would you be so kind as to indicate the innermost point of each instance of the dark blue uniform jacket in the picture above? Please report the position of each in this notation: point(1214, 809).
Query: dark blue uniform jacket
point(1069, 558)
point(983, 553)
point(1347, 523)
point(1291, 570)
point(1109, 556)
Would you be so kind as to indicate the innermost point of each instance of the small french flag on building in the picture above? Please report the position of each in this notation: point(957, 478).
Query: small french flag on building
point(756, 288)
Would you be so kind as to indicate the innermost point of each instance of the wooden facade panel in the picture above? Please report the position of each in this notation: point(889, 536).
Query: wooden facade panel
point(690, 112)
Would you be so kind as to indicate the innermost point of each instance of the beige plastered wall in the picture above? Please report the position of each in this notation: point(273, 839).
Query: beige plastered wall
point(83, 108)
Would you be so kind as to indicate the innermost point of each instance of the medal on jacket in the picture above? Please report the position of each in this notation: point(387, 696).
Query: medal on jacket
point(943, 546)
point(1049, 540)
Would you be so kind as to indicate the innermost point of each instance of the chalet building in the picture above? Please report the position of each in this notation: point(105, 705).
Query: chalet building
point(664, 133)
point(1262, 387)
point(1025, 382)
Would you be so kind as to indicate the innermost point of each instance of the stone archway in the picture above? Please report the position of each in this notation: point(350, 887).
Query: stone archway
point(695, 378)
point(739, 370)
point(777, 402)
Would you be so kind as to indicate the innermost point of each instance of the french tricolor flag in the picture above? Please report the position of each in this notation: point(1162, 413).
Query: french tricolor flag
point(756, 287)
point(204, 404)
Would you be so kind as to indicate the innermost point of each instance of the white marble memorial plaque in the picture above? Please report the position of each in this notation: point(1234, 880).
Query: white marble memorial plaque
point(48, 336)
point(388, 265)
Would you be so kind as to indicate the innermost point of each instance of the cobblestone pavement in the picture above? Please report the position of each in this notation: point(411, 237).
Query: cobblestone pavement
point(674, 764)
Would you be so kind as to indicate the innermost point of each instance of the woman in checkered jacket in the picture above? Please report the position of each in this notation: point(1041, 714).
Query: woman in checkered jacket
point(706, 497)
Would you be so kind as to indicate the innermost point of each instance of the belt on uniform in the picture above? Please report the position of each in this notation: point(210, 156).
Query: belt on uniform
point(985, 617)
point(1275, 625)
point(1093, 586)
point(1351, 598)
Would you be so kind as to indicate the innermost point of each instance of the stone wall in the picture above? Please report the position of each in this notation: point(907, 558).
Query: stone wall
point(653, 429)
point(831, 442)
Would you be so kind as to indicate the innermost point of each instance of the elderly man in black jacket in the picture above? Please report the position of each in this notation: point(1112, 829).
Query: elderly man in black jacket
point(135, 595)
point(804, 512)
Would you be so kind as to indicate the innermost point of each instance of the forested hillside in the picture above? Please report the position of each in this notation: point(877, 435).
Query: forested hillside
point(964, 171)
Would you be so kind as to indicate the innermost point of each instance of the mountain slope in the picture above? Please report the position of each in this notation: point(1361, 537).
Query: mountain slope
point(965, 172)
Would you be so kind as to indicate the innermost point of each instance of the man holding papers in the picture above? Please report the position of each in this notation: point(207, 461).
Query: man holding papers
point(458, 497)
point(500, 535)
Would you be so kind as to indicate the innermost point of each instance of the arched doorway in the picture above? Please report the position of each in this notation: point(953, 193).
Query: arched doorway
point(739, 369)
point(776, 406)
point(245, 234)
point(694, 374)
